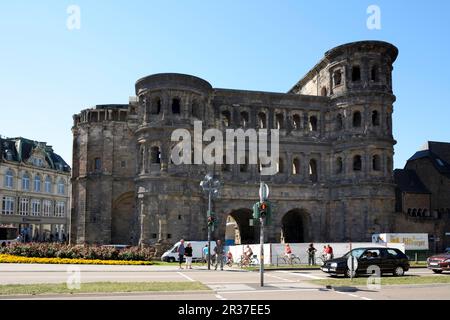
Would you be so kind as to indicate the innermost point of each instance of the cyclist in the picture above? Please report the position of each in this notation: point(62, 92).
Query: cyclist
point(288, 252)
point(229, 259)
point(248, 254)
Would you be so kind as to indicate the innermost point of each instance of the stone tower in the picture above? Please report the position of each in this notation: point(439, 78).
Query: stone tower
point(334, 180)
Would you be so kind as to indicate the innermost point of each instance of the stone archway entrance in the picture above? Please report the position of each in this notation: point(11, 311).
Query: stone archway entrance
point(122, 219)
point(238, 227)
point(295, 227)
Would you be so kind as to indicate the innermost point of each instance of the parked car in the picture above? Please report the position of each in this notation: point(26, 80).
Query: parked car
point(389, 260)
point(440, 262)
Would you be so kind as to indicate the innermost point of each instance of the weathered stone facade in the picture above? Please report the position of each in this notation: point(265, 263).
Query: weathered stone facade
point(336, 147)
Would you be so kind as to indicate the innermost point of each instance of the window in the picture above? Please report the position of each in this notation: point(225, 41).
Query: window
point(8, 206)
point(313, 123)
point(389, 164)
point(296, 166)
point(357, 119)
point(48, 185)
point(60, 209)
point(123, 164)
point(356, 73)
point(98, 164)
point(392, 253)
point(176, 106)
point(376, 163)
point(313, 170)
point(337, 78)
point(61, 187)
point(374, 74)
point(196, 109)
point(323, 92)
point(375, 118)
point(155, 155)
point(25, 182)
point(9, 155)
point(35, 207)
point(357, 163)
point(156, 106)
point(280, 165)
point(262, 120)
point(296, 122)
point(244, 119)
point(279, 118)
point(226, 118)
point(24, 208)
point(9, 179)
point(339, 122)
point(339, 165)
point(46, 208)
point(37, 183)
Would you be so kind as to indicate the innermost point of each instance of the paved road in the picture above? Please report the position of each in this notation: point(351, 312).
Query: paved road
point(226, 285)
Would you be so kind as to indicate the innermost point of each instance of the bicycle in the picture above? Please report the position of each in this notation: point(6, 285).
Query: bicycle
point(247, 262)
point(292, 260)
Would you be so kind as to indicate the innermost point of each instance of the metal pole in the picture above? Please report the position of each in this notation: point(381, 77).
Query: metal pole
point(209, 231)
point(261, 252)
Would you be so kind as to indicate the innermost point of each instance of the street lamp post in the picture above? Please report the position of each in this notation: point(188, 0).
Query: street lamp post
point(211, 186)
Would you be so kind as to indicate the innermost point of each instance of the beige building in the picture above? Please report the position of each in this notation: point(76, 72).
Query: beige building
point(34, 191)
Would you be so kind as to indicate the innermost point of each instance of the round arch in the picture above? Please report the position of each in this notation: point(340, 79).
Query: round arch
point(122, 219)
point(295, 226)
point(238, 227)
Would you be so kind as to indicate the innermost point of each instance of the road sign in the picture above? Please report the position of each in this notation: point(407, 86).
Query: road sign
point(263, 192)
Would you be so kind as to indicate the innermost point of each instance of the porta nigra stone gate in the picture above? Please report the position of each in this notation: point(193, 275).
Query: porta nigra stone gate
point(335, 175)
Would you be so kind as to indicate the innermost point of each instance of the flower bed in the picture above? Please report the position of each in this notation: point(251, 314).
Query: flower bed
point(84, 252)
point(6, 258)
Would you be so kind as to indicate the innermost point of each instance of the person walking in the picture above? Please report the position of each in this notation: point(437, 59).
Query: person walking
point(311, 255)
point(219, 252)
point(205, 253)
point(329, 252)
point(181, 252)
point(188, 254)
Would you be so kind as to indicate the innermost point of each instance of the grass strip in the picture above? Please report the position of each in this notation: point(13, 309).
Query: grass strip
point(363, 281)
point(100, 287)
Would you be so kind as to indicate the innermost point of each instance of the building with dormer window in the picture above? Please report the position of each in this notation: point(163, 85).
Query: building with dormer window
point(34, 191)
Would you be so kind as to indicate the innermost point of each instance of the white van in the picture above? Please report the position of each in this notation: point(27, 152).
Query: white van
point(197, 251)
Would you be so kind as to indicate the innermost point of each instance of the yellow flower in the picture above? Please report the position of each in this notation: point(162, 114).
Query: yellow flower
point(5, 258)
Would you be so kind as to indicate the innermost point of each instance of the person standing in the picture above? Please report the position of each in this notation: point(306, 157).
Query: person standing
point(312, 255)
point(181, 251)
point(219, 252)
point(329, 252)
point(188, 254)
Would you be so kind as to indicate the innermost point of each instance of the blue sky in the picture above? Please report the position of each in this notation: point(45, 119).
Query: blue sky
point(48, 73)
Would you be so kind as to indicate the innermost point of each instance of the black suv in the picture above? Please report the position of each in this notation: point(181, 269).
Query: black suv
point(389, 260)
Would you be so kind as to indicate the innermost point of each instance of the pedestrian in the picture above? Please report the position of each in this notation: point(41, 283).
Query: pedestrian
point(329, 252)
point(219, 252)
point(324, 253)
point(205, 253)
point(311, 255)
point(181, 250)
point(188, 254)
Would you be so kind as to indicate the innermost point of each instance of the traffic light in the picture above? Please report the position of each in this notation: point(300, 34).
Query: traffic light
point(256, 213)
point(212, 221)
point(265, 209)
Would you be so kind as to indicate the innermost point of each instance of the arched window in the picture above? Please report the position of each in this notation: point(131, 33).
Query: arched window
point(337, 78)
point(409, 211)
point(376, 163)
point(9, 179)
point(61, 187)
point(296, 124)
point(313, 123)
point(279, 118)
point(196, 110)
point(339, 165)
point(97, 164)
point(244, 119)
point(37, 183)
point(414, 212)
point(357, 163)
point(419, 213)
point(155, 155)
point(296, 166)
point(356, 73)
point(339, 122)
point(156, 106)
point(262, 120)
point(176, 106)
point(48, 184)
point(323, 92)
point(375, 118)
point(374, 74)
point(226, 118)
point(280, 165)
point(357, 119)
point(26, 182)
point(313, 170)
